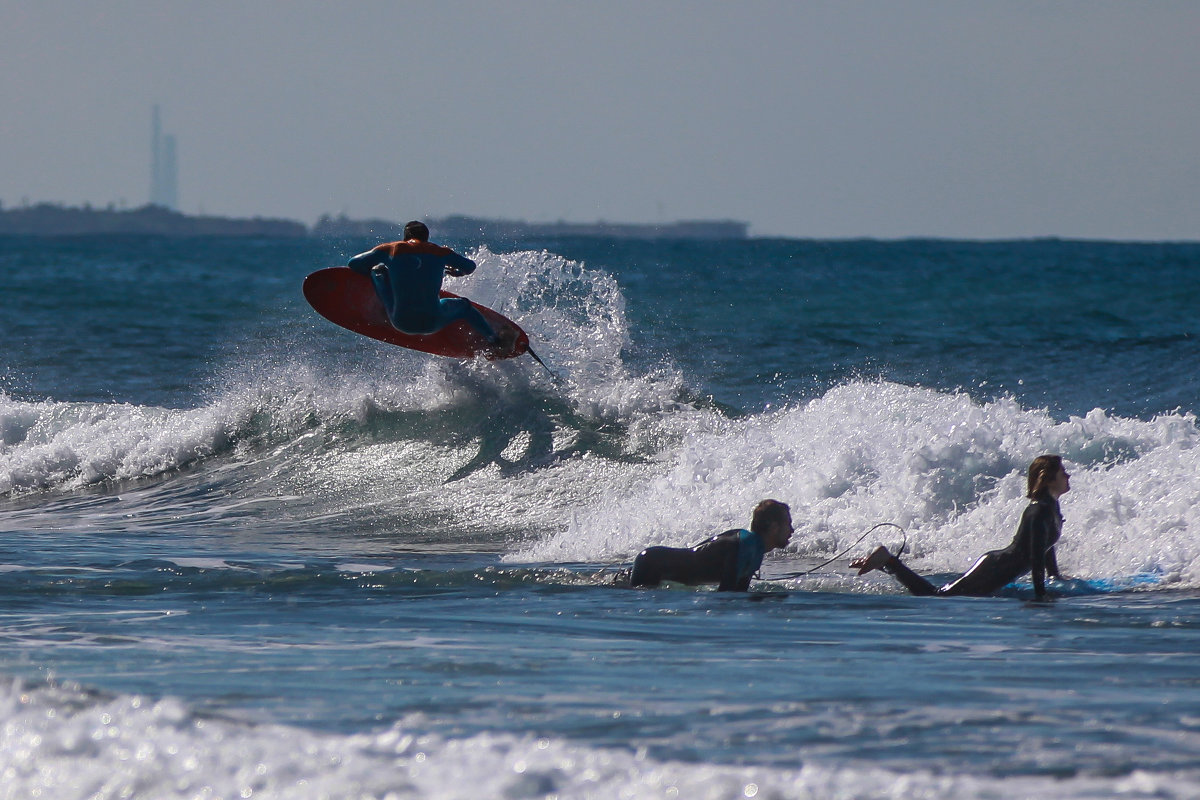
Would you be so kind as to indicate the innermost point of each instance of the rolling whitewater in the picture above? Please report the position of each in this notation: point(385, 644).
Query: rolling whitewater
point(246, 553)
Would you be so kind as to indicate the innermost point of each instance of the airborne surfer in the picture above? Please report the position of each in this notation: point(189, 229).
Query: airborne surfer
point(728, 559)
point(408, 277)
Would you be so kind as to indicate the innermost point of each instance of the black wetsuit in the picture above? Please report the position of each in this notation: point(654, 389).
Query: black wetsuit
point(728, 559)
point(1032, 550)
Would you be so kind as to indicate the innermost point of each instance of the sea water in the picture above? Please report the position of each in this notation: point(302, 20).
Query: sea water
point(245, 553)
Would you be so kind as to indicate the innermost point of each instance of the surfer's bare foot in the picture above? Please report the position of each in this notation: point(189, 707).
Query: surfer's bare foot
point(877, 560)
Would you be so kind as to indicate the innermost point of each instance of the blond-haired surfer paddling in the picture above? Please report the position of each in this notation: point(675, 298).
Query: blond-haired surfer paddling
point(728, 559)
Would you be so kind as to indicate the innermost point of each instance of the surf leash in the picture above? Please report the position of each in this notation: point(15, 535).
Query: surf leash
point(903, 544)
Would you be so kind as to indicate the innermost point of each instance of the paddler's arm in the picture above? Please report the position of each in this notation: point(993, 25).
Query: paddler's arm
point(730, 580)
point(1052, 566)
point(1039, 558)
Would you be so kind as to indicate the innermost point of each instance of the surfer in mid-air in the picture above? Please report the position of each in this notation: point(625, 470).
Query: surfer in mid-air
point(1031, 550)
point(728, 559)
point(408, 277)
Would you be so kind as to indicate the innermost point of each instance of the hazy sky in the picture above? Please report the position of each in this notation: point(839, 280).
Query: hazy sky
point(887, 119)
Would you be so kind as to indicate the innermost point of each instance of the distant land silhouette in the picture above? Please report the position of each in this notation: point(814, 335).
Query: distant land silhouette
point(460, 227)
point(47, 219)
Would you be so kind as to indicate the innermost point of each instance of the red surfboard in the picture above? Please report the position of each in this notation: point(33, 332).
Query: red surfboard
point(346, 298)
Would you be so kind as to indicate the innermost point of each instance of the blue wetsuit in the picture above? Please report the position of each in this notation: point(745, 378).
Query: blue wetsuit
point(728, 559)
point(408, 276)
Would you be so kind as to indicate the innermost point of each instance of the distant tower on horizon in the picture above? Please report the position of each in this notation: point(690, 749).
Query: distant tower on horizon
point(164, 174)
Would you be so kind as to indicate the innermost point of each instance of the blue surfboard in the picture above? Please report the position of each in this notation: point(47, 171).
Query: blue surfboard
point(1083, 587)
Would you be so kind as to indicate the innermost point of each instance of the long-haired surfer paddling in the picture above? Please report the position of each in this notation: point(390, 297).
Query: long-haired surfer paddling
point(408, 276)
point(728, 559)
point(1031, 550)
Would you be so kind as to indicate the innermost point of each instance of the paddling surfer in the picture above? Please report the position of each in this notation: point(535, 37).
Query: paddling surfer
point(728, 559)
point(408, 277)
point(1031, 550)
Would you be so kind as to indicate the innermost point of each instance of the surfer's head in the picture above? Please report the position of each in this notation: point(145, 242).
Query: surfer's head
point(1047, 478)
point(416, 230)
point(772, 520)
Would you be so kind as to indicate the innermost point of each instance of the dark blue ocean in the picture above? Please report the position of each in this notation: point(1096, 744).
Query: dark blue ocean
point(245, 553)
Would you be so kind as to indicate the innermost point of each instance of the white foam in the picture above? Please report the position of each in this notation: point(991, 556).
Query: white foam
point(66, 744)
point(947, 468)
point(69, 445)
point(575, 315)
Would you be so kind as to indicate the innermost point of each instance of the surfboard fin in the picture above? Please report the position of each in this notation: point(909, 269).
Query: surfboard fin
point(538, 359)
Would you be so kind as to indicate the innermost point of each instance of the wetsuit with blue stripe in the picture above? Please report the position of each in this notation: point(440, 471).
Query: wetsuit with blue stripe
point(1031, 550)
point(728, 559)
point(408, 277)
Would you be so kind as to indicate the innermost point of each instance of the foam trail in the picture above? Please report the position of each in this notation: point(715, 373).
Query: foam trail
point(575, 317)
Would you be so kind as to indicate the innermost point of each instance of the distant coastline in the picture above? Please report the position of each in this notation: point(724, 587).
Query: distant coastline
point(47, 219)
point(460, 227)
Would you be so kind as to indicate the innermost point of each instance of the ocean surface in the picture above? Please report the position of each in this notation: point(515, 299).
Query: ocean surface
point(247, 554)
